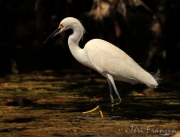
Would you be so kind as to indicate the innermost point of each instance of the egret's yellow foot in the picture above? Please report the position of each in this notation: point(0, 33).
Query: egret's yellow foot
point(94, 109)
point(100, 112)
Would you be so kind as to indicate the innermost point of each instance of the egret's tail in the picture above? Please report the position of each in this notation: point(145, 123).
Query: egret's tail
point(151, 80)
point(156, 78)
point(156, 75)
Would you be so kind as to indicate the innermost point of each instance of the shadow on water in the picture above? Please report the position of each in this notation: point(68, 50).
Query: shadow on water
point(12, 129)
point(19, 120)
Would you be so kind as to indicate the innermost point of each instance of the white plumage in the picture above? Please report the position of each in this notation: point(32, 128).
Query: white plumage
point(104, 57)
point(107, 58)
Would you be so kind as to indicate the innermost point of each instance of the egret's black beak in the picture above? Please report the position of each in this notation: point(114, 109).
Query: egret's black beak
point(52, 35)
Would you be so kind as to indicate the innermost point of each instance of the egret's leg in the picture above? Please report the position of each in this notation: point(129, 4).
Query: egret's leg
point(111, 96)
point(115, 89)
point(110, 81)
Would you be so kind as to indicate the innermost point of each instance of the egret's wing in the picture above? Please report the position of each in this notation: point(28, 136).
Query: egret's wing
point(97, 67)
point(110, 65)
point(105, 57)
point(112, 52)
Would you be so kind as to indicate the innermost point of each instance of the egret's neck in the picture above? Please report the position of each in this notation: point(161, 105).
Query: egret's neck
point(75, 36)
point(73, 42)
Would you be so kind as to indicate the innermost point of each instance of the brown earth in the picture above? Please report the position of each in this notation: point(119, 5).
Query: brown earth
point(51, 103)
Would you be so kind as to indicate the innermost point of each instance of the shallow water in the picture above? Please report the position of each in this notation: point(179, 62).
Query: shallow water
point(51, 103)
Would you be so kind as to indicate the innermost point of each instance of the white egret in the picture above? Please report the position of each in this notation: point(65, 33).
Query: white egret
point(105, 58)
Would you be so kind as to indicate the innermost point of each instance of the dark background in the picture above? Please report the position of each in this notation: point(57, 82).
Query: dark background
point(147, 30)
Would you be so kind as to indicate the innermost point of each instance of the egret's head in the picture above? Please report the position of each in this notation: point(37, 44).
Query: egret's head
point(65, 24)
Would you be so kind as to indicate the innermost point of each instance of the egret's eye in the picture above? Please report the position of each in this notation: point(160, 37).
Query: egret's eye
point(60, 26)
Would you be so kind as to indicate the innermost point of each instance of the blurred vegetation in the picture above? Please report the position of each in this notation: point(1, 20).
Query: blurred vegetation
point(148, 31)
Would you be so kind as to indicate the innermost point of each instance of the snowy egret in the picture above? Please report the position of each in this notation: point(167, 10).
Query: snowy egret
point(105, 58)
